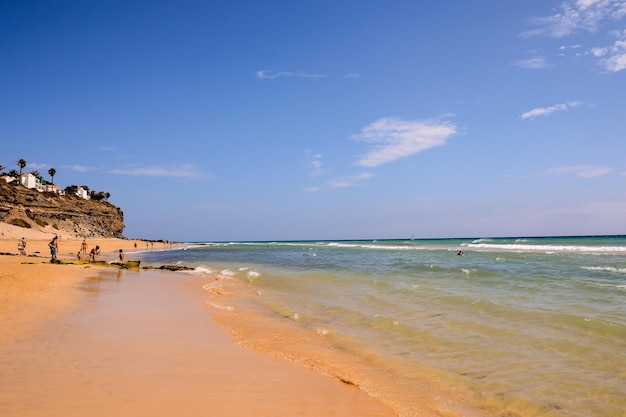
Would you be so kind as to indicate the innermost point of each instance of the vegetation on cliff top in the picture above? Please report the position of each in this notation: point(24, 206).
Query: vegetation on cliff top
point(15, 176)
point(88, 215)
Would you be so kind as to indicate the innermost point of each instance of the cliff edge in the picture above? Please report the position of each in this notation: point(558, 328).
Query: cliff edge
point(64, 214)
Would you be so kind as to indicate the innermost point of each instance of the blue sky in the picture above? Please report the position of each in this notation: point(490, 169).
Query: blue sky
point(278, 120)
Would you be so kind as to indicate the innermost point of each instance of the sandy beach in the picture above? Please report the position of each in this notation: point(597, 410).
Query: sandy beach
point(89, 340)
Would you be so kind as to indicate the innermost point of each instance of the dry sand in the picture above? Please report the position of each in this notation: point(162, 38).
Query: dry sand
point(80, 340)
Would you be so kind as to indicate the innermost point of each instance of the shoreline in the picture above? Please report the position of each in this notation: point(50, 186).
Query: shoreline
point(87, 339)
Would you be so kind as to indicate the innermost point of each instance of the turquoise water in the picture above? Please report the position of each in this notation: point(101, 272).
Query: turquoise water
point(514, 327)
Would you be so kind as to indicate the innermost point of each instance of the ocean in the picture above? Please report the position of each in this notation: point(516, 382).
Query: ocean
point(508, 327)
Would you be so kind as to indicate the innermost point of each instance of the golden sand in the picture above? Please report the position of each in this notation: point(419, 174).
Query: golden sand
point(83, 340)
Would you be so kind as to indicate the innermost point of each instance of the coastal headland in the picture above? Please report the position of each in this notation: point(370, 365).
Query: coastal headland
point(83, 339)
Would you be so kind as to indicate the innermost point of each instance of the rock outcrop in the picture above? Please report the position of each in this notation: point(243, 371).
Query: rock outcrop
point(66, 214)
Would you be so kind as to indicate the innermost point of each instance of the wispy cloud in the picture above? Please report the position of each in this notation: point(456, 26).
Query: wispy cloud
point(545, 111)
point(108, 148)
point(590, 16)
point(352, 181)
point(536, 62)
point(575, 15)
point(36, 166)
point(272, 75)
point(314, 161)
point(613, 57)
point(78, 168)
point(393, 138)
point(581, 171)
point(180, 171)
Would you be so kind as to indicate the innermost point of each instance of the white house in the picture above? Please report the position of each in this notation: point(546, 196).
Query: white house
point(51, 188)
point(30, 181)
point(82, 193)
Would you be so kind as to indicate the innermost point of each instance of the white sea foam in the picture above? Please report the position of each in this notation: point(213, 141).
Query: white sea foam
point(605, 268)
point(202, 270)
point(219, 307)
point(601, 284)
point(253, 274)
point(226, 274)
point(481, 240)
point(549, 248)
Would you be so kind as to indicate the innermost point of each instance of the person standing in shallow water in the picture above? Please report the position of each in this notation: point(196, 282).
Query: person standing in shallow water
point(122, 256)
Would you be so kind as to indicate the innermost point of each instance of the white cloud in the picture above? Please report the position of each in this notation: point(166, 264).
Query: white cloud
point(315, 164)
point(545, 111)
point(581, 171)
point(586, 15)
point(35, 166)
point(181, 171)
point(78, 168)
point(352, 181)
point(272, 75)
point(615, 54)
point(537, 62)
point(575, 15)
point(393, 138)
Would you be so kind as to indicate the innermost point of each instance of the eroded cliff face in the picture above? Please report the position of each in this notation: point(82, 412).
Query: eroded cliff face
point(67, 214)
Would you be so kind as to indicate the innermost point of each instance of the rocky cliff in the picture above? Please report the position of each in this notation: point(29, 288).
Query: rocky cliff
point(64, 214)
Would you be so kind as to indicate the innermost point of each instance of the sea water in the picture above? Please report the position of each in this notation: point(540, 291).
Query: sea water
point(458, 327)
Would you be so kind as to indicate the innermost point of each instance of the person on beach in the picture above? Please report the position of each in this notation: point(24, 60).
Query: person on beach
point(20, 247)
point(92, 254)
point(84, 247)
point(122, 257)
point(54, 248)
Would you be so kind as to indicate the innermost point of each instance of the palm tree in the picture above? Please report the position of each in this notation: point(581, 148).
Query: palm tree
point(52, 173)
point(21, 163)
point(1, 167)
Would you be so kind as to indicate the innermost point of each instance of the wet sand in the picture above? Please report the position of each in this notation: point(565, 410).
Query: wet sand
point(82, 340)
